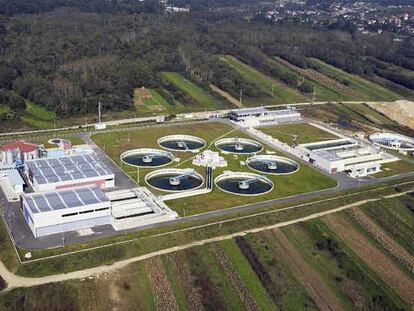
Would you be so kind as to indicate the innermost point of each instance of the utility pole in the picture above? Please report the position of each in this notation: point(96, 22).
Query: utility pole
point(99, 112)
point(273, 87)
point(314, 94)
point(241, 97)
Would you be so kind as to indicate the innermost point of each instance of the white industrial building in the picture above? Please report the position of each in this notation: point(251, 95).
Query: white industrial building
point(65, 210)
point(251, 117)
point(68, 172)
point(345, 155)
point(209, 158)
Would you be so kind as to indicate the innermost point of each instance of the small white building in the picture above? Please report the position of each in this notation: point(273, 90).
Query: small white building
point(65, 210)
point(251, 117)
point(69, 172)
point(210, 158)
point(346, 155)
point(12, 184)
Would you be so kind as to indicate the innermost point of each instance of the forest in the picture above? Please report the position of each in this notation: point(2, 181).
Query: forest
point(67, 55)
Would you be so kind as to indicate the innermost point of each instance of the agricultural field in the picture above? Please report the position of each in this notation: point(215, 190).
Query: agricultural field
point(334, 262)
point(367, 90)
point(351, 275)
point(280, 93)
point(326, 89)
point(114, 144)
point(201, 96)
point(292, 134)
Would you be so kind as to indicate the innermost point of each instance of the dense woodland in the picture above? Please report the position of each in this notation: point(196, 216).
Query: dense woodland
point(67, 55)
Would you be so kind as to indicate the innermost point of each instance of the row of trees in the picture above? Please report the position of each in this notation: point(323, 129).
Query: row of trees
point(68, 60)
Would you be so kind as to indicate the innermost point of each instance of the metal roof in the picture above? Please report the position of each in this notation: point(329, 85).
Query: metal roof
point(64, 199)
point(21, 145)
point(51, 170)
point(13, 176)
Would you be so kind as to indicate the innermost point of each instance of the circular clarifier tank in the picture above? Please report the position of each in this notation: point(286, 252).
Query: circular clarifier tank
point(393, 141)
point(239, 145)
point(271, 164)
point(181, 143)
point(175, 180)
point(146, 157)
point(243, 183)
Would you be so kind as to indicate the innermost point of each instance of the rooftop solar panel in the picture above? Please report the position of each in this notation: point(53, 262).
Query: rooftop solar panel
point(51, 170)
point(64, 199)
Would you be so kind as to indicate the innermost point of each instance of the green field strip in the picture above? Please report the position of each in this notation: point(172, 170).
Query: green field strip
point(367, 89)
point(197, 93)
point(176, 286)
point(323, 92)
point(145, 291)
point(247, 275)
point(394, 168)
point(338, 265)
point(281, 93)
point(396, 219)
point(39, 112)
point(286, 291)
point(209, 276)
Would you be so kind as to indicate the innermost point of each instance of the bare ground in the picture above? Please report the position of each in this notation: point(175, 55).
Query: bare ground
point(401, 111)
point(313, 283)
point(376, 260)
point(163, 294)
point(238, 285)
point(226, 95)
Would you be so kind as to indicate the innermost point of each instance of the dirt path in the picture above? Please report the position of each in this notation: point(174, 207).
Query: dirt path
point(379, 235)
point(315, 286)
point(14, 281)
point(376, 260)
point(226, 95)
point(163, 294)
point(235, 281)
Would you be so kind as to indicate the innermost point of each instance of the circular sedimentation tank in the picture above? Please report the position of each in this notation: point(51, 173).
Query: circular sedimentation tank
point(393, 141)
point(271, 164)
point(175, 180)
point(243, 183)
point(181, 143)
point(239, 145)
point(146, 157)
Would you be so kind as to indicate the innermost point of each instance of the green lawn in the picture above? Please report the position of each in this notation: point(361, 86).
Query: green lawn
point(394, 168)
point(281, 93)
point(205, 99)
point(297, 133)
point(367, 89)
point(305, 180)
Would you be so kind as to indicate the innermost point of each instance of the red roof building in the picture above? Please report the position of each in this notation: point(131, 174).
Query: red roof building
point(21, 145)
